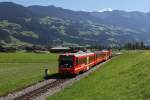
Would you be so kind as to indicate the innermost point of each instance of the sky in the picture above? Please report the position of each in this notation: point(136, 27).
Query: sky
point(91, 5)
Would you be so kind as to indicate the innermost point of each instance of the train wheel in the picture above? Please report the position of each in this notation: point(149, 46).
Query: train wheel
point(62, 76)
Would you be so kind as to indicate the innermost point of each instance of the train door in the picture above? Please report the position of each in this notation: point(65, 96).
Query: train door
point(87, 62)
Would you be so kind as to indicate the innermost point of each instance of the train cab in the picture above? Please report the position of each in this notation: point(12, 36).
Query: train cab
point(66, 63)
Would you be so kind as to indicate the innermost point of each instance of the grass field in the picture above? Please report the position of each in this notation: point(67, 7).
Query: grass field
point(18, 70)
point(126, 77)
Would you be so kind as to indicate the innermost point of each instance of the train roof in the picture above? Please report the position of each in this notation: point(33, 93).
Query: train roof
point(101, 51)
point(81, 53)
point(78, 54)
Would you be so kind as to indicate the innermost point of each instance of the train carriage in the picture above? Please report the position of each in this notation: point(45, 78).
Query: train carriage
point(75, 63)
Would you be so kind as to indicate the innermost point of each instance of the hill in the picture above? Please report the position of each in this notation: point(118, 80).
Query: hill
point(44, 25)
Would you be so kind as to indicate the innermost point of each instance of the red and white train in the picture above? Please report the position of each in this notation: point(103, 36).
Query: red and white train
point(76, 63)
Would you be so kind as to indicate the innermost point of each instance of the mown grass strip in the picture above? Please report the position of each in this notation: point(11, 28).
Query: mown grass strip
point(18, 70)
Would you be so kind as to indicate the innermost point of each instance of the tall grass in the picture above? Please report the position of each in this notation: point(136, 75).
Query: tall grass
point(126, 77)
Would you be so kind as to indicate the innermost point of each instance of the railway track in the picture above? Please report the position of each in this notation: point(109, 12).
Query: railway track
point(33, 94)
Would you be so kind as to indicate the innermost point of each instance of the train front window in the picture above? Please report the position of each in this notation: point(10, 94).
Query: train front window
point(66, 61)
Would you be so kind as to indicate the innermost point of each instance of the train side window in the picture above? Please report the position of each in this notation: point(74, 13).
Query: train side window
point(91, 59)
point(81, 61)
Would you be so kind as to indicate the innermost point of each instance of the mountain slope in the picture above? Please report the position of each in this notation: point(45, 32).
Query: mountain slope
point(53, 25)
point(9, 10)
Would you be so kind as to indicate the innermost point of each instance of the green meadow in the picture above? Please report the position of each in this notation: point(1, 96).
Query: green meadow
point(19, 70)
point(125, 77)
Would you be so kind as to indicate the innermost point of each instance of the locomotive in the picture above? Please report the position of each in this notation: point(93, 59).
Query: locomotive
point(76, 63)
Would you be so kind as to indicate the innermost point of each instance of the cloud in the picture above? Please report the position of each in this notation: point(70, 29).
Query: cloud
point(105, 9)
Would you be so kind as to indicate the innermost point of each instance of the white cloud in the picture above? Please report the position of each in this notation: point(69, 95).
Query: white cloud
point(105, 9)
point(84, 10)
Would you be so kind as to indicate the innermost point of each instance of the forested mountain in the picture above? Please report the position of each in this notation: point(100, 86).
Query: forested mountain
point(44, 25)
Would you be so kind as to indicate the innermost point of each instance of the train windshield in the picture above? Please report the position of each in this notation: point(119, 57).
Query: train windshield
point(66, 61)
